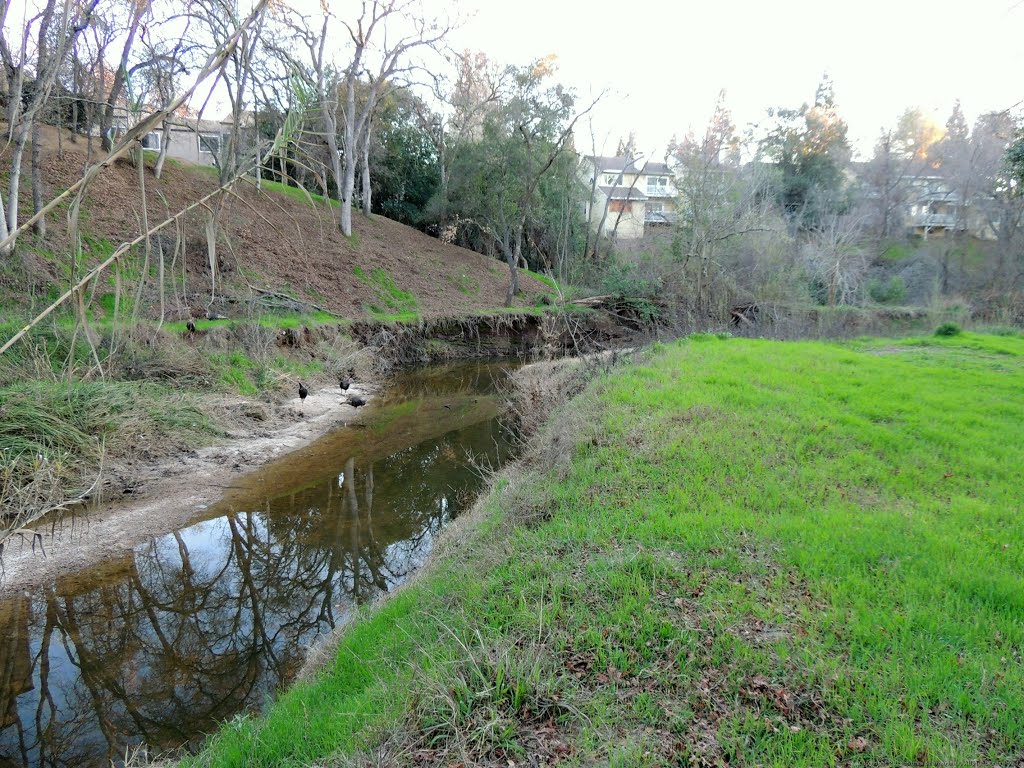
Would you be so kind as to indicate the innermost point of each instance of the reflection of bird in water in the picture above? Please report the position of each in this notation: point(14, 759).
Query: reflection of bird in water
point(302, 392)
point(356, 401)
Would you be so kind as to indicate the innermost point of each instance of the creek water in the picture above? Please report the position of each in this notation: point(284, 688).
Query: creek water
point(161, 645)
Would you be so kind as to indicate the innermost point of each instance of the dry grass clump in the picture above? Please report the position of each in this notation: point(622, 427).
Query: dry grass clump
point(341, 354)
point(145, 355)
point(538, 389)
point(493, 702)
point(54, 436)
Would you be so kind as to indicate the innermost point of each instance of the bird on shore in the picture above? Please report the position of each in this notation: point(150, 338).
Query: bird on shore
point(344, 382)
point(302, 393)
point(356, 401)
point(191, 327)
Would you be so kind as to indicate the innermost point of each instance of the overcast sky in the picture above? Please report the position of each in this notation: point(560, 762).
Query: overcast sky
point(666, 61)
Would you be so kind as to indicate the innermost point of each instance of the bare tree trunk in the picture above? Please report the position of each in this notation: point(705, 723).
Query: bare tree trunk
point(165, 140)
point(76, 69)
point(107, 124)
point(39, 228)
point(347, 187)
point(348, 182)
point(331, 134)
point(365, 182)
point(17, 157)
point(513, 255)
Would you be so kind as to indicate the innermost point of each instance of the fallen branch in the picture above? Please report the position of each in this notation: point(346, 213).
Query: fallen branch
point(592, 301)
point(286, 297)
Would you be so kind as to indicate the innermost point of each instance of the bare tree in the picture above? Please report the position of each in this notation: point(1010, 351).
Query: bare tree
point(478, 88)
point(219, 19)
point(835, 255)
point(322, 77)
point(136, 9)
point(57, 25)
point(378, 56)
point(902, 155)
point(165, 60)
point(717, 199)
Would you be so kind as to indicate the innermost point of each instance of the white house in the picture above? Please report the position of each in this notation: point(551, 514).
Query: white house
point(631, 197)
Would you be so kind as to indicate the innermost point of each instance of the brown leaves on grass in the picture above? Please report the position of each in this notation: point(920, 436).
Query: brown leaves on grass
point(857, 744)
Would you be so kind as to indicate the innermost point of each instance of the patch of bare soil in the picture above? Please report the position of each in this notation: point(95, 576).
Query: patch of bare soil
point(277, 242)
point(148, 498)
point(889, 350)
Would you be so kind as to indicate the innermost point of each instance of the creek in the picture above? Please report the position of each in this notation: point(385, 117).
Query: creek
point(161, 645)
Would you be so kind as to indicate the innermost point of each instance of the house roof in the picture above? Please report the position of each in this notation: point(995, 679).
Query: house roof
point(203, 126)
point(626, 164)
point(623, 193)
point(246, 118)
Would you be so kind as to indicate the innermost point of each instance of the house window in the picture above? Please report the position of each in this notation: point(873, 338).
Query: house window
point(610, 179)
point(209, 142)
point(151, 140)
point(655, 207)
point(657, 185)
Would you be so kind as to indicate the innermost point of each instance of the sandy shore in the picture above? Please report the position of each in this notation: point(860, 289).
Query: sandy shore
point(165, 495)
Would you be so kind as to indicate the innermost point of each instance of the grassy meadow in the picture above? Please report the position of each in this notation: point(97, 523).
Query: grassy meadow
point(730, 552)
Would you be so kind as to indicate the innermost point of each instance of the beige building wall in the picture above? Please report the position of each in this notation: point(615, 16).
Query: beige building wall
point(630, 224)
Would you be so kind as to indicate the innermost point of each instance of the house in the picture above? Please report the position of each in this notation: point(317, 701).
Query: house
point(929, 204)
point(631, 197)
point(935, 208)
point(196, 140)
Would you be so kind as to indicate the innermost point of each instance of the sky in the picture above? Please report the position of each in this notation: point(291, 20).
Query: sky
point(665, 62)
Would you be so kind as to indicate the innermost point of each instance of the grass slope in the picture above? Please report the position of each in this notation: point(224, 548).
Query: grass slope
point(737, 552)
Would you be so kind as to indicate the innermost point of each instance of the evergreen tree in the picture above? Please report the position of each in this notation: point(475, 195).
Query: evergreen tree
point(809, 146)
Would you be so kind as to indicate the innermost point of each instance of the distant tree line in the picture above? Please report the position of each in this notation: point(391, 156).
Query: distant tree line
point(366, 104)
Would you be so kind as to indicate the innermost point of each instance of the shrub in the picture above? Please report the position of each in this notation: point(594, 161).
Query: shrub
point(948, 329)
point(892, 291)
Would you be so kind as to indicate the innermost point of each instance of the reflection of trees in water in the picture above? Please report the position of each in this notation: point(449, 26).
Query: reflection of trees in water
point(208, 621)
point(479, 377)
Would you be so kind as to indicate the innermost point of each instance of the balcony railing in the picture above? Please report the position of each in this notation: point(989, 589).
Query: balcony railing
point(936, 221)
point(660, 192)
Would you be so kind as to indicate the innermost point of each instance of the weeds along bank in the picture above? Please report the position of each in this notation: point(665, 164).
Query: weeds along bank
point(732, 552)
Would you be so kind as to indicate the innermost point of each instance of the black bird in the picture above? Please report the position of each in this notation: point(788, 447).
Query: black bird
point(302, 392)
point(356, 401)
point(191, 328)
point(344, 382)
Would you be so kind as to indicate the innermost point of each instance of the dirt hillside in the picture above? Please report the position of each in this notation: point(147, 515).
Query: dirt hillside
point(274, 239)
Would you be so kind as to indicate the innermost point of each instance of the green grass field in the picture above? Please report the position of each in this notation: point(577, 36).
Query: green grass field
point(732, 552)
